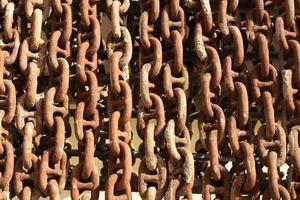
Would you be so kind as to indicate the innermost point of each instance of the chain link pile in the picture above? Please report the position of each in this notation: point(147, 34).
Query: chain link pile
point(75, 74)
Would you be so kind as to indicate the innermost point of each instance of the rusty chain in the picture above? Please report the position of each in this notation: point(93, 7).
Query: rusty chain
point(119, 52)
point(165, 98)
point(53, 164)
point(85, 175)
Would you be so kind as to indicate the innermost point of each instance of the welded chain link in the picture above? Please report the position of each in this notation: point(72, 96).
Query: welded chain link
point(217, 113)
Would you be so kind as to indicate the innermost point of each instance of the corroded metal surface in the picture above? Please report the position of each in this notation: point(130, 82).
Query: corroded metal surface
point(232, 67)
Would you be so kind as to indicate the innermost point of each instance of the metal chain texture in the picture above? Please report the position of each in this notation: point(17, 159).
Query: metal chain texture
point(211, 88)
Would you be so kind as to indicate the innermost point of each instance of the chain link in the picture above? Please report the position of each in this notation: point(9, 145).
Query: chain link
point(78, 70)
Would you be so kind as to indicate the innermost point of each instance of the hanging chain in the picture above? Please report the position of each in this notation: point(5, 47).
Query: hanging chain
point(85, 174)
point(53, 167)
point(9, 47)
point(29, 113)
point(152, 169)
point(119, 52)
point(207, 89)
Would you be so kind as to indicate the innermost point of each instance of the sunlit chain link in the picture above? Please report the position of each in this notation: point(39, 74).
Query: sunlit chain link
point(175, 83)
point(119, 52)
point(203, 24)
point(53, 168)
point(29, 116)
point(286, 32)
point(116, 11)
point(85, 175)
point(152, 170)
point(204, 61)
point(9, 47)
